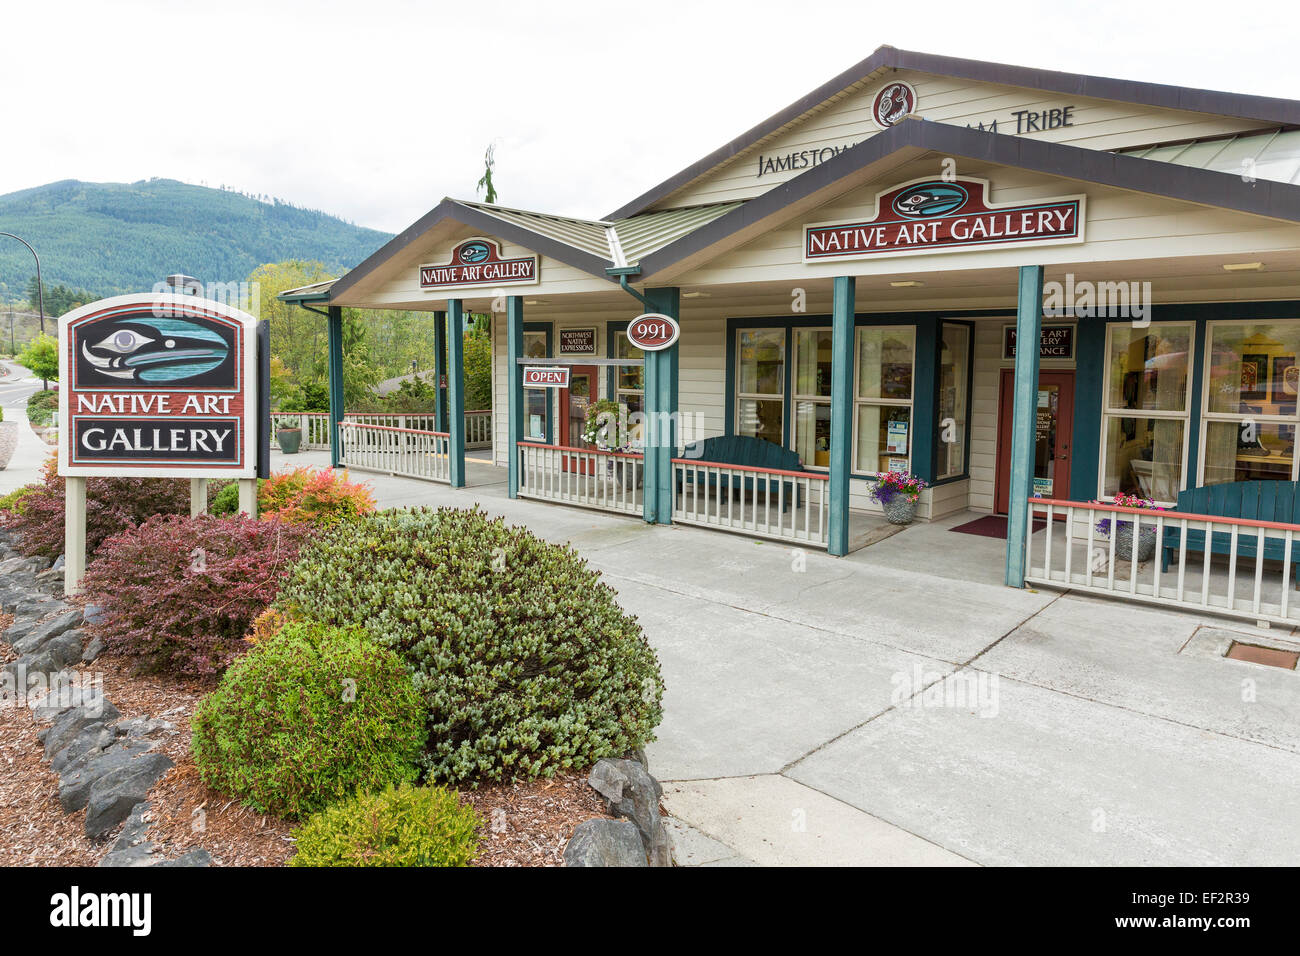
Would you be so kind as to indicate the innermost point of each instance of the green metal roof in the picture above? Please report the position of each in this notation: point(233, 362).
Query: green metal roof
point(316, 292)
point(1274, 155)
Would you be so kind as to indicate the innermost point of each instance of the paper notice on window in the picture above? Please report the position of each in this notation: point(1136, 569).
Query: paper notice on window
point(896, 438)
point(898, 465)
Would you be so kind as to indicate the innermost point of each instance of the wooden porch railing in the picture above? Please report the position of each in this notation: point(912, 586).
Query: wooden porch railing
point(316, 431)
point(1072, 553)
point(610, 481)
point(789, 506)
point(410, 452)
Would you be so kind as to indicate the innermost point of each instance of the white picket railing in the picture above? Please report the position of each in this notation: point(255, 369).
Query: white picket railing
point(315, 426)
point(610, 481)
point(410, 452)
point(771, 503)
point(1073, 554)
point(478, 428)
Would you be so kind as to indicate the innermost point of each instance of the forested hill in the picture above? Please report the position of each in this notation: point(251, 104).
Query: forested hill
point(110, 238)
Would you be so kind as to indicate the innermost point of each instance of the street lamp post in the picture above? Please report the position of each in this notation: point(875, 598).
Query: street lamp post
point(40, 289)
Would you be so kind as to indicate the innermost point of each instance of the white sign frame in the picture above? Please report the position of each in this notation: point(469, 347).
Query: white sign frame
point(659, 316)
point(162, 303)
point(550, 369)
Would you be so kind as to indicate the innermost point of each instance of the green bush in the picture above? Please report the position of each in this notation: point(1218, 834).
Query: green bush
point(407, 826)
point(306, 718)
point(10, 501)
point(226, 500)
point(41, 407)
point(526, 662)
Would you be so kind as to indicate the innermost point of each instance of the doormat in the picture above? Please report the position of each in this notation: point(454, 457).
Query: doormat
point(992, 526)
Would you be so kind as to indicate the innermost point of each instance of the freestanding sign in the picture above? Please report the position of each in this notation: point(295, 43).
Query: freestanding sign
point(155, 385)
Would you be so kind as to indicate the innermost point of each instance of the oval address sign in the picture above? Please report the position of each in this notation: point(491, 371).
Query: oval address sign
point(652, 331)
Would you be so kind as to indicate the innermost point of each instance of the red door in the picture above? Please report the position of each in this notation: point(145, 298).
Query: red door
point(1054, 423)
point(573, 413)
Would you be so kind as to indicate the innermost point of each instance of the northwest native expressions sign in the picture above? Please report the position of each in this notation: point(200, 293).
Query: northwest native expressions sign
point(478, 262)
point(158, 385)
point(934, 215)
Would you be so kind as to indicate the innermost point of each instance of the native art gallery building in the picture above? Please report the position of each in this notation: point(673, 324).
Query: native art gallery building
point(855, 281)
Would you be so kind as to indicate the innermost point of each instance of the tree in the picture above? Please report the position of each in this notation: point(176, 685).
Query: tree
point(478, 371)
point(485, 182)
point(41, 355)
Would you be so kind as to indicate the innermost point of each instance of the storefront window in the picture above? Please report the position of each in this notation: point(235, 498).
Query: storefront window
point(537, 401)
point(1250, 401)
point(954, 385)
point(629, 382)
point(760, 367)
point(812, 396)
point(883, 398)
point(1145, 420)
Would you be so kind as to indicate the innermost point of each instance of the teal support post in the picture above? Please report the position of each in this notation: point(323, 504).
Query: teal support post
point(924, 426)
point(1024, 400)
point(1090, 366)
point(841, 450)
point(660, 427)
point(439, 371)
point(334, 346)
point(456, 392)
point(515, 380)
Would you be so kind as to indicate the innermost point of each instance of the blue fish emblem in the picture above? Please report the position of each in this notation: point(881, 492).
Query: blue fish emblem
point(474, 252)
point(929, 199)
point(147, 349)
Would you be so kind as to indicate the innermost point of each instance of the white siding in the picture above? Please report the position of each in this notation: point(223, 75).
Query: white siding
point(846, 119)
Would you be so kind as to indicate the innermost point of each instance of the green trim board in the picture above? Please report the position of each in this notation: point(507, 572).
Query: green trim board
point(334, 349)
point(1029, 319)
point(439, 370)
point(661, 394)
point(456, 392)
point(515, 390)
point(843, 346)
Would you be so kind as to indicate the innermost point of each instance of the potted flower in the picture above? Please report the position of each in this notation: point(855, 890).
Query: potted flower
point(606, 427)
point(897, 492)
point(8, 440)
point(289, 438)
point(1124, 529)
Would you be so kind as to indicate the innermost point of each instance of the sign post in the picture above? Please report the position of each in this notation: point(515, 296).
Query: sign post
point(156, 386)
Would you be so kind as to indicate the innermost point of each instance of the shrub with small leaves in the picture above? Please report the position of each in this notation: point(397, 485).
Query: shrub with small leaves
point(13, 500)
point(112, 505)
point(403, 826)
point(179, 593)
point(308, 717)
point(526, 663)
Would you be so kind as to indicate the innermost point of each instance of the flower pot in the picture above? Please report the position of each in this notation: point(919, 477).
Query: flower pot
point(1124, 543)
point(8, 442)
point(899, 510)
point(289, 439)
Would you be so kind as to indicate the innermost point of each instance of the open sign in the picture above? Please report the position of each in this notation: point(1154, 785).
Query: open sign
point(653, 331)
point(546, 376)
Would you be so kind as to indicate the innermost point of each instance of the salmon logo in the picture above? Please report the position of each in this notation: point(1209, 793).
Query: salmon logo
point(929, 199)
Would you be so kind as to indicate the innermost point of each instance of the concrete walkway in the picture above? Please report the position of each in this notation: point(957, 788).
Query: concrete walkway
point(16, 384)
point(901, 706)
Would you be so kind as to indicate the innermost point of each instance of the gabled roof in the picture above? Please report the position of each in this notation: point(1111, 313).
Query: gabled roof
point(1266, 110)
point(914, 137)
point(1273, 155)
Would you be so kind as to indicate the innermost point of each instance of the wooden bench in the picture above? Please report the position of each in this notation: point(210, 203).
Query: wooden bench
point(1276, 501)
point(745, 452)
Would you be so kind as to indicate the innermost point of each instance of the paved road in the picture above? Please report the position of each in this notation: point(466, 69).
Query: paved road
point(901, 705)
point(16, 385)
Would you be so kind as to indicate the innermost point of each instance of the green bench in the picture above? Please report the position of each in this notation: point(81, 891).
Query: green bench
point(747, 452)
point(1254, 500)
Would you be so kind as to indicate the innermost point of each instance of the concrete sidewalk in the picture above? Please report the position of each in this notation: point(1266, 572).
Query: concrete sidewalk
point(29, 457)
point(901, 706)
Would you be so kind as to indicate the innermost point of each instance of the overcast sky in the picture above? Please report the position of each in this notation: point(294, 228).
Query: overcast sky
point(376, 110)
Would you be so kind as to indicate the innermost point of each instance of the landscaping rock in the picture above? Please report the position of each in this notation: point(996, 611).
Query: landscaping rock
point(80, 776)
point(192, 858)
point(93, 614)
point(632, 793)
point(144, 727)
point(64, 696)
point(141, 855)
point(93, 650)
point(58, 564)
point(114, 795)
point(605, 843)
point(93, 739)
point(73, 721)
point(63, 650)
point(52, 627)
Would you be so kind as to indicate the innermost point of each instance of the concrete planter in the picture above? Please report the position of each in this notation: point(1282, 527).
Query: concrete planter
point(1124, 543)
point(900, 510)
point(8, 442)
point(289, 439)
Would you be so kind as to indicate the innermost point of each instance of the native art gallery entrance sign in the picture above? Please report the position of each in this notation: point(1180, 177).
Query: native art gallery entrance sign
point(933, 215)
point(158, 385)
point(478, 262)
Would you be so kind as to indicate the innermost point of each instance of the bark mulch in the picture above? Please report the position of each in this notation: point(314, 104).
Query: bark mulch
point(525, 824)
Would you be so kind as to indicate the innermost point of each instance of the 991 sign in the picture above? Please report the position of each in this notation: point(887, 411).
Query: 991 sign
point(653, 331)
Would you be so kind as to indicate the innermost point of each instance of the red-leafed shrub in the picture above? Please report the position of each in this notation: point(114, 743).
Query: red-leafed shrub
point(180, 593)
point(112, 505)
